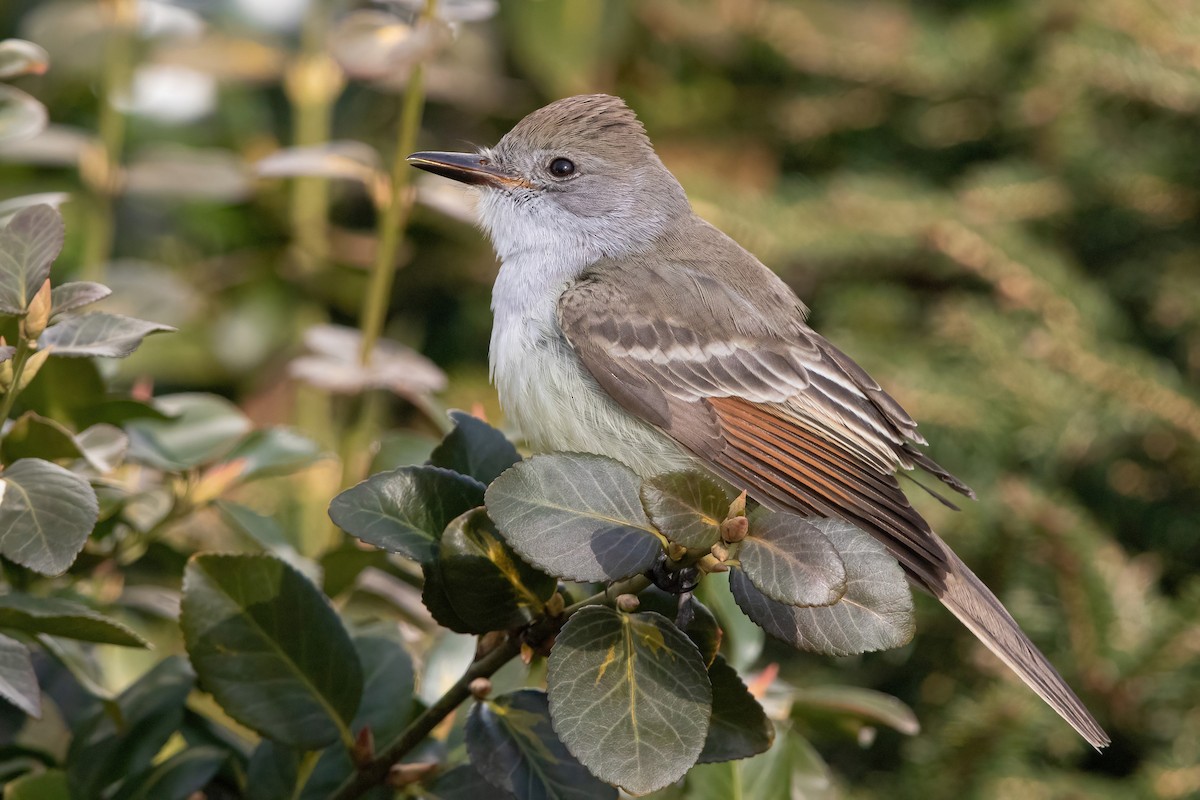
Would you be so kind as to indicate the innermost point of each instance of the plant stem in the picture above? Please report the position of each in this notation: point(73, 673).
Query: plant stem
point(376, 772)
point(394, 216)
point(18, 367)
point(304, 771)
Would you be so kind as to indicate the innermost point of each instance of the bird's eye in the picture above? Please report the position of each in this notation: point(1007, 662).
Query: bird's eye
point(562, 167)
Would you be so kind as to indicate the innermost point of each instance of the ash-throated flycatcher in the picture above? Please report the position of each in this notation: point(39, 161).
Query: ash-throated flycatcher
point(627, 326)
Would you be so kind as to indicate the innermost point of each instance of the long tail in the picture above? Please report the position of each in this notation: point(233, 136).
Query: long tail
point(978, 609)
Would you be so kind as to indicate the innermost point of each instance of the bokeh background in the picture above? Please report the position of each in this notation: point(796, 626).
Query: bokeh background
point(993, 206)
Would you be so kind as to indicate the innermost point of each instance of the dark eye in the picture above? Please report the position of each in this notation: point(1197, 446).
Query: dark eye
point(562, 167)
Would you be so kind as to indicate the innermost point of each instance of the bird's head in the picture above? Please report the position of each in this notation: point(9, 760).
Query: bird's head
point(578, 173)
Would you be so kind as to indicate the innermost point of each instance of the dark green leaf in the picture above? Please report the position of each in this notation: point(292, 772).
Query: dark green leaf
point(629, 696)
point(513, 746)
point(28, 245)
point(273, 451)
point(405, 511)
point(687, 507)
point(179, 777)
point(474, 448)
point(49, 785)
point(46, 514)
point(35, 436)
point(703, 629)
point(201, 428)
point(58, 617)
point(71, 296)
point(874, 706)
point(463, 783)
point(99, 334)
point(268, 646)
point(267, 534)
point(436, 600)
point(741, 640)
point(273, 770)
point(575, 516)
point(104, 752)
point(18, 683)
point(876, 612)
point(487, 584)
point(739, 727)
point(791, 561)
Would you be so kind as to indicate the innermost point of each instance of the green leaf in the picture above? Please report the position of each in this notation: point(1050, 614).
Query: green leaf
point(474, 448)
point(104, 446)
point(790, 770)
point(19, 57)
point(272, 451)
point(629, 696)
point(486, 583)
point(268, 646)
point(58, 617)
point(741, 640)
point(48, 785)
point(74, 295)
point(791, 561)
point(28, 246)
point(703, 629)
point(200, 428)
point(463, 783)
point(871, 705)
point(405, 511)
point(575, 516)
point(513, 746)
point(109, 747)
point(18, 683)
point(267, 534)
point(46, 515)
point(98, 334)
point(876, 612)
point(34, 436)
point(402, 449)
point(179, 777)
point(739, 727)
point(687, 507)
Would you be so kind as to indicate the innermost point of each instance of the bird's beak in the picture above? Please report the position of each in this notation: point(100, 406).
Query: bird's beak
point(469, 168)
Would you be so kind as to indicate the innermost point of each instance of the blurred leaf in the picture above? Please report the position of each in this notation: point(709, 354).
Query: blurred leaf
point(200, 429)
point(300, 685)
point(790, 770)
point(10, 207)
point(876, 612)
point(267, 533)
point(183, 172)
point(48, 785)
point(58, 617)
point(21, 117)
point(512, 744)
point(179, 777)
point(375, 44)
point(454, 10)
point(474, 448)
point(28, 246)
point(406, 510)
point(269, 451)
point(402, 449)
point(18, 683)
point(687, 507)
point(46, 515)
point(273, 770)
point(225, 57)
point(74, 295)
point(629, 696)
point(34, 436)
point(98, 334)
point(873, 706)
point(335, 365)
point(104, 446)
point(347, 160)
point(563, 45)
point(488, 586)
point(19, 57)
point(109, 748)
point(575, 516)
point(789, 560)
point(739, 727)
point(463, 783)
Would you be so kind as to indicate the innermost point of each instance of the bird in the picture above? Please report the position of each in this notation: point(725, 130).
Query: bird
point(626, 325)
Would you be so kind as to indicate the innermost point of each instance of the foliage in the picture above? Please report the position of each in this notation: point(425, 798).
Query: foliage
point(989, 205)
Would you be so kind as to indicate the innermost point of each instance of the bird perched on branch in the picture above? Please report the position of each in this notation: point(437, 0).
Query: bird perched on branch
point(627, 326)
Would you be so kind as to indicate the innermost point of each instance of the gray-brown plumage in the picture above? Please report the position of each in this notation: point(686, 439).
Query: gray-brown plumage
point(628, 326)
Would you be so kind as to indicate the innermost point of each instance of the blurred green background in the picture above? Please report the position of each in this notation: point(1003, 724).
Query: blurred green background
point(993, 206)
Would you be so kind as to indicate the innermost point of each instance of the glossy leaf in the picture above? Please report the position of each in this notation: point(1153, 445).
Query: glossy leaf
point(298, 684)
point(46, 515)
point(463, 783)
point(687, 507)
point(739, 727)
point(34, 436)
point(58, 617)
point(98, 334)
point(629, 696)
point(873, 706)
point(200, 428)
point(74, 295)
point(19, 57)
point(703, 629)
point(474, 448)
point(876, 612)
point(513, 746)
point(21, 116)
point(180, 777)
point(18, 683)
point(575, 516)
point(789, 560)
point(28, 246)
point(405, 511)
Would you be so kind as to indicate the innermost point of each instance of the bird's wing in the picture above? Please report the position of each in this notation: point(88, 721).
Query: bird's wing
point(729, 370)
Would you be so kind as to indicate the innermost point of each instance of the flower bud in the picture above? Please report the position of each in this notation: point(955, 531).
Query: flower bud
point(734, 529)
point(37, 313)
